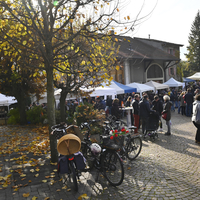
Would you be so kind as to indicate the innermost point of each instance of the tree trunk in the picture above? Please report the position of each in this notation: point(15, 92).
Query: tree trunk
point(51, 113)
point(62, 106)
point(21, 99)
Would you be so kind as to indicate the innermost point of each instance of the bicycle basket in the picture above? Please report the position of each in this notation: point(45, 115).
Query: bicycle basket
point(109, 143)
point(68, 144)
point(119, 140)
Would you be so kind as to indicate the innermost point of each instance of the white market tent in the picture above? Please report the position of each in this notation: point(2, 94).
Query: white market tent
point(157, 86)
point(120, 88)
point(6, 100)
point(173, 83)
point(140, 87)
point(100, 91)
point(195, 76)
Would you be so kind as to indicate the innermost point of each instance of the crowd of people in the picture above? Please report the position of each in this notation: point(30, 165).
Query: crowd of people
point(166, 101)
point(186, 102)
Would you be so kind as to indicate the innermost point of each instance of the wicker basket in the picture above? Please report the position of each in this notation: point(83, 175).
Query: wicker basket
point(68, 144)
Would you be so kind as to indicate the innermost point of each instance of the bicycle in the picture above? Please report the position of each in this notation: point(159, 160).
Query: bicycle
point(69, 162)
point(107, 161)
point(130, 146)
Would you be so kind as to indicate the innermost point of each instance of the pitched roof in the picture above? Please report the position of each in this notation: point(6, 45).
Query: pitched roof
point(135, 48)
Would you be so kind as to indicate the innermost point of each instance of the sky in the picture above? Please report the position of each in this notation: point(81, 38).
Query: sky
point(167, 20)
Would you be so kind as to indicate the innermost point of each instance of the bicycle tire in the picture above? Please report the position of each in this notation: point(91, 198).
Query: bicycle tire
point(73, 171)
point(134, 147)
point(113, 168)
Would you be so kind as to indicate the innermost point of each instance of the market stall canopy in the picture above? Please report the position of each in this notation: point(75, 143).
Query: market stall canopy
point(173, 83)
point(157, 86)
point(100, 91)
point(195, 76)
point(188, 80)
point(140, 87)
point(6, 100)
point(120, 88)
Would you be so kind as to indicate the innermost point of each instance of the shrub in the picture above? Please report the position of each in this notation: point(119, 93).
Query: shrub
point(36, 115)
point(14, 116)
point(85, 113)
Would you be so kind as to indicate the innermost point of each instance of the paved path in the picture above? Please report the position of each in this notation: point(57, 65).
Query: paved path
point(168, 168)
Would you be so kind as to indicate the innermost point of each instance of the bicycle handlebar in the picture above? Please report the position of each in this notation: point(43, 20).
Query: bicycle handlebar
point(87, 124)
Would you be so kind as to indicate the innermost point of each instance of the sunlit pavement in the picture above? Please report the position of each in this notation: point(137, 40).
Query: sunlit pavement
point(167, 168)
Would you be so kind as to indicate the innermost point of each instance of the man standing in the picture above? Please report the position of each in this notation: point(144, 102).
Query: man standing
point(144, 110)
point(135, 105)
point(189, 100)
point(158, 107)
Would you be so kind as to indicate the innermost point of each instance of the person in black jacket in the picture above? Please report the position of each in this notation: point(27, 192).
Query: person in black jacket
point(109, 103)
point(189, 100)
point(115, 109)
point(144, 110)
point(157, 105)
point(135, 105)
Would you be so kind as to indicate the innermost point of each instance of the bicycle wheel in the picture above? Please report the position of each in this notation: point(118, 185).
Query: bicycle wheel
point(73, 172)
point(88, 156)
point(113, 168)
point(134, 147)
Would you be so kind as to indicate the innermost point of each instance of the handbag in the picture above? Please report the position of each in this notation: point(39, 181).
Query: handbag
point(164, 116)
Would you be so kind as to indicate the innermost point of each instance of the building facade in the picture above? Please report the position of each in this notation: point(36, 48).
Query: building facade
point(143, 60)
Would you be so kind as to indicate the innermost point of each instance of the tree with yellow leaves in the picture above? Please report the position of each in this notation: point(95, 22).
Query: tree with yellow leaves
point(17, 78)
point(45, 21)
point(89, 65)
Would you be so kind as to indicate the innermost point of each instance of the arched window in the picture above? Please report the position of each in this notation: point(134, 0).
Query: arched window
point(155, 72)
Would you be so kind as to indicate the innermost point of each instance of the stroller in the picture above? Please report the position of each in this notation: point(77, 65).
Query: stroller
point(152, 125)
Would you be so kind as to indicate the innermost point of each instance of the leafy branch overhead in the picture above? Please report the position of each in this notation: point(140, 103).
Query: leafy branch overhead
point(54, 37)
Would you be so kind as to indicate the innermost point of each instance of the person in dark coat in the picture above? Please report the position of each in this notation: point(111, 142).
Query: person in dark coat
point(167, 109)
point(135, 105)
point(144, 110)
point(189, 100)
point(157, 105)
point(115, 109)
point(109, 103)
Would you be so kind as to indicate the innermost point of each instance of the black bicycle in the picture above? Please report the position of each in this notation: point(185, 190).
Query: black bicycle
point(130, 144)
point(68, 164)
point(107, 160)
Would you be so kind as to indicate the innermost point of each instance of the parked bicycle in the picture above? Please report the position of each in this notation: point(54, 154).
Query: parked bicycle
point(103, 157)
point(71, 161)
point(129, 143)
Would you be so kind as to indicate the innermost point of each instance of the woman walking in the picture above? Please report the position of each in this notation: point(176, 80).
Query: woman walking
point(196, 117)
point(167, 110)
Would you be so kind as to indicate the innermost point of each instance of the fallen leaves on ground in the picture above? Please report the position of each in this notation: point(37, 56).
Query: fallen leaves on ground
point(26, 194)
point(22, 142)
point(83, 196)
